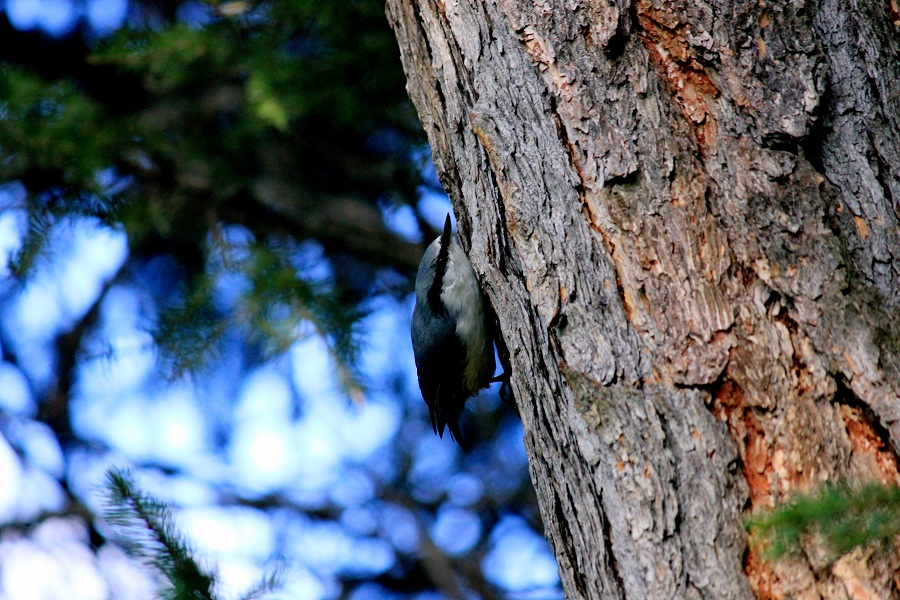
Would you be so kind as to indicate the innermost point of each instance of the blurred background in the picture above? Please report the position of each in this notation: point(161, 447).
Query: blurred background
point(210, 215)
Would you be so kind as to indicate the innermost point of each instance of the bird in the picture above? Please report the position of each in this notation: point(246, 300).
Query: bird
point(451, 339)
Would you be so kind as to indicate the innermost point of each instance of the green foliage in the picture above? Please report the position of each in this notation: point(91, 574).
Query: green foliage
point(277, 300)
point(275, 307)
point(146, 529)
point(170, 58)
point(844, 517)
point(190, 333)
point(265, 102)
point(260, 117)
point(34, 244)
point(54, 128)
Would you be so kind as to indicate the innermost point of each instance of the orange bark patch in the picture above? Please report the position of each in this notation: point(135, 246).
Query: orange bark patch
point(762, 580)
point(727, 398)
point(665, 37)
point(757, 462)
point(866, 441)
point(862, 227)
point(730, 405)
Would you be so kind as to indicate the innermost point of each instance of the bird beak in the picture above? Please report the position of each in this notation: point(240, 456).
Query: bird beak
point(445, 237)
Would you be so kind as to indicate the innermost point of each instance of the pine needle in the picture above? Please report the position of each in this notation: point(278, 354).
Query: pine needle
point(844, 517)
point(147, 531)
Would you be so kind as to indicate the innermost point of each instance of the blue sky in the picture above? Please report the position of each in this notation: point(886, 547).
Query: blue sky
point(334, 453)
point(291, 431)
point(58, 17)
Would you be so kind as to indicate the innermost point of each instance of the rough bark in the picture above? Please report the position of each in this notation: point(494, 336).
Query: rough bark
point(686, 217)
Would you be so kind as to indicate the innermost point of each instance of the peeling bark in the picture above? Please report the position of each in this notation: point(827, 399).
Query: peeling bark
point(685, 215)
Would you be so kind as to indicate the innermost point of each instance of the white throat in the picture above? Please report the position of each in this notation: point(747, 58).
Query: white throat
point(462, 297)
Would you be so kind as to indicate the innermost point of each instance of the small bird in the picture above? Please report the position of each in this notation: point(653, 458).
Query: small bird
point(450, 335)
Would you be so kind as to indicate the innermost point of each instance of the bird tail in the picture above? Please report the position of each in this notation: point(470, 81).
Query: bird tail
point(456, 434)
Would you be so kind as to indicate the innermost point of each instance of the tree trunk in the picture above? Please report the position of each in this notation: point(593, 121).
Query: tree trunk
point(685, 215)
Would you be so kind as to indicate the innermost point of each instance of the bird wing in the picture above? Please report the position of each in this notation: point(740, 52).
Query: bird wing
point(436, 345)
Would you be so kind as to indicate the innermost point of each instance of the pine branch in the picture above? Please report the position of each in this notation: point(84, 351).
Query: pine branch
point(844, 517)
point(148, 532)
point(271, 582)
